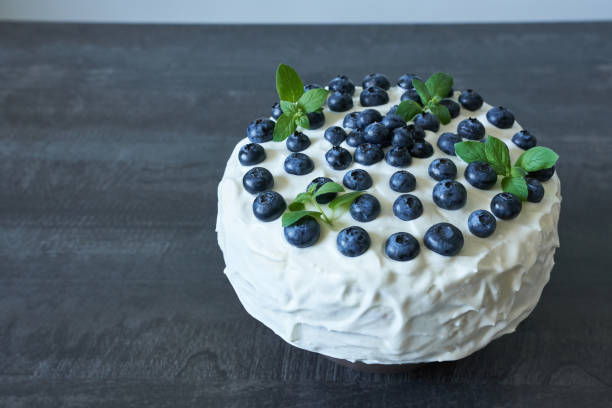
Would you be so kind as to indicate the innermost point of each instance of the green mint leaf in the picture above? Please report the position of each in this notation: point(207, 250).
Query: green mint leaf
point(305, 197)
point(344, 201)
point(408, 109)
point(439, 84)
point(288, 84)
point(442, 113)
point(285, 126)
point(329, 187)
point(516, 186)
point(288, 107)
point(313, 99)
point(291, 217)
point(302, 121)
point(517, 172)
point(498, 155)
point(296, 206)
point(537, 158)
point(471, 151)
point(421, 89)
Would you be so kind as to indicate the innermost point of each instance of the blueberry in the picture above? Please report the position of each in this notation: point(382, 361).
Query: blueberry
point(373, 96)
point(365, 208)
point(251, 153)
point(257, 179)
point(500, 117)
point(392, 109)
point(449, 194)
point(377, 133)
point(335, 135)
point(407, 207)
point(471, 129)
point(470, 100)
point(441, 169)
point(339, 102)
point(323, 198)
point(378, 80)
point(353, 241)
point(482, 223)
point(402, 182)
point(393, 121)
point(524, 139)
point(368, 116)
point(338, 158)
point(444, 239)
point(402, 246)
point(535, 191)
point(341, 84)
point(398, 156)
point(452, 106)
point(268, 206)
point(368, 154)
point(413, 95)
point(350, 120)
point(421, 149)
point(303, 233)
point(316, 119)
point(357, 179)
point(401, 137)
point(480, 175)
point(355, 138)
point(276, 111)
point(446, 142)
point(427, 121)
point(311, 86)
point(297, 141)
point(298, 164)
point(405, 81)
point(542, 175)
point(261, 130)
point(506, 206)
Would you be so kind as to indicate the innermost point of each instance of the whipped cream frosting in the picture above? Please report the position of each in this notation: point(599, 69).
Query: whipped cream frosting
point(371, 308)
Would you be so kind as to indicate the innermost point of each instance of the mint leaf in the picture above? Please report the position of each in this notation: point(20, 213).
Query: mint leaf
point(471, 151)
point(439, 84)
point(288, 84)
point(285, 126)
point(305, 197)
point(292, 217)
point(517, 172)
point(441, 112)
point(288, 107)
point(421, 89)
point(537, 158)
point(296, 206)
point(329, 187)
point(408, 109)
point(498, 155)
point(302, 121)
point(313, 99)
point(516, 186)
point(344, 201)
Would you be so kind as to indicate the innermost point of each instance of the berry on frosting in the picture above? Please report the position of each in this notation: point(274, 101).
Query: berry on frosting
point(506, 206)
point(323, 198)
point(339, 102)
point(377, 133)
point(405, 81)
point(350, 120)
point(500, 117)
point(341, 84)
point(402, 246)
point(368, 116)
point(441, 169)
point(452, 106)
point(427, 121)
point(449, 195)
point(368, 154)
point(402, 182)
point(338, 158)
point(392, 121)
point(524, 139)
point(251, 154)
point(335, 135)
point(276, 110)
point(480, 175)
point(373, 96)
point(535, 191)
point(298, 164)
point(407, 207)
point(257, 179)
point(297, 142)
point(542, 175)
point(268, 206)
point(316, 119)
point(482, 223)
point(470, 100)
point(303, 233)
point(365, 208)
point(421, 149)
point(378, 80)
point(444, 239)
point(353, 241)
point(357, 179)
point(413, 95)
point(260, 130)
point(446, 142)
point(355, 138)
point(471, 129)
point(398, 156)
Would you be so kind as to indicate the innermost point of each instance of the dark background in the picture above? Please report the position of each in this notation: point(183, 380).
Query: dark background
point(113, 140)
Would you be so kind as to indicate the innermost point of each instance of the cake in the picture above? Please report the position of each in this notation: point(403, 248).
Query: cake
point(428, 258)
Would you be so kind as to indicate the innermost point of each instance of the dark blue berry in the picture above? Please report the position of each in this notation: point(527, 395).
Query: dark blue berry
point(353, 241)
point(480, 175)
point(524, 139)
point(471, 128)
point(398, 156)
point(402, 246)
point(407, 207)
point(373, 96)
point(355, 138)
point(506, 206)
point(444, 239)
point(413, 95)
point(311, 86)
point(357, 179)
point(297, 141)
point(441, 169)
point(341, 84)
point(378, 80)
point(482, 223)
point(261, 130)
point(470, 100)
point(276, 111)
point(365, 208)
point(303, 233)
point(535, 191)
point(368, 154)
point(368, 116)
point(542, 175)
point(377, 133)
point(350, 120)
point(298, 164)
point(338, 158)
point(339, 102)
point(268, 206)
point(402, 137)
point(421, 149)
point(405, 81)
point(392, 109)
point(402, 182)
point(335, 135)
point(500, 117)
point(452, 106)
point(446, 142)
point(323, 198)
point(393, 121)
point(251, 153)
point(316, 119)
point(427, 121)
point(257, 179)
point(449, 194)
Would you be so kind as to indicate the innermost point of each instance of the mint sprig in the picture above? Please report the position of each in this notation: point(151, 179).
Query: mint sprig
point(431, 93)
point(297, 209)
point(295, 103)
point(496, 153)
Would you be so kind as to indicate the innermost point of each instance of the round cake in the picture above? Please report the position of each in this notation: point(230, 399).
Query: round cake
point(434, 258)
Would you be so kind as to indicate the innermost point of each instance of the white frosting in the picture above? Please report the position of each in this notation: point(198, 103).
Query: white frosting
point(371, 308)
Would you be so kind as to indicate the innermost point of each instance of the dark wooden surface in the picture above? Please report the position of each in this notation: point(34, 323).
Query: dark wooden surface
point(112, 141)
